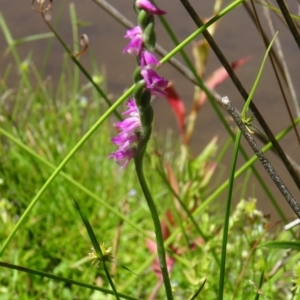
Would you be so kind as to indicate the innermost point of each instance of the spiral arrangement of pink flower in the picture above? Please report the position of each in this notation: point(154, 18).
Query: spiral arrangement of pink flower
point(135, 130)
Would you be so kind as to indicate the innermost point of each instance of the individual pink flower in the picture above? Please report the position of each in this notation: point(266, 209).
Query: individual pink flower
point(149, 7)
point(154, 82)
point(136, 41)
point(148, 60)
point(128, 135)
point(133, 32)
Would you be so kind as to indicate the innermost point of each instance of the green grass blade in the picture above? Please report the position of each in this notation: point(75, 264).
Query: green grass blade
point(9, 40)
point(227, 216)
point(11, 44)
point(295, 17)
point(245, 184)
point(246, 106)
point(231, 178)
point(33, 38)
point(75, 48)
point(261, 280)
point(282, 245)
point(199, 290)
point(100, 254)
point(63, 279)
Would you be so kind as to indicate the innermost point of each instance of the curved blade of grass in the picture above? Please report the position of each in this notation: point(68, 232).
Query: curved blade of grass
point(283, 61)
point(9, 40)
point(96, 247)
point(63, 279)
point(198, 292)
point(11, 44)
point(282, 245)
point(223, 151)
point(261, 280)
point(74, 23)
point(61, 166)
point(127, 269)
point(32, 38)
point(246, 106)
point(275, 57)
point(245, 184)
point(295, 17)
point(227, 216)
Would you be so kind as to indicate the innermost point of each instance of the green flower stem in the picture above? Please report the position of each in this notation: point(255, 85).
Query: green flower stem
point(227, 216)
point(158, 232)
point(61, 166)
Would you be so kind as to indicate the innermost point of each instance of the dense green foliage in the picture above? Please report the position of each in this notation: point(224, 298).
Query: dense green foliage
point(40, 122)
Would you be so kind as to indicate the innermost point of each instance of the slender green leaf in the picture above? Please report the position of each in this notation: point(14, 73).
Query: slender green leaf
point(100, 255)
point(62, 279)
point(282, 245)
